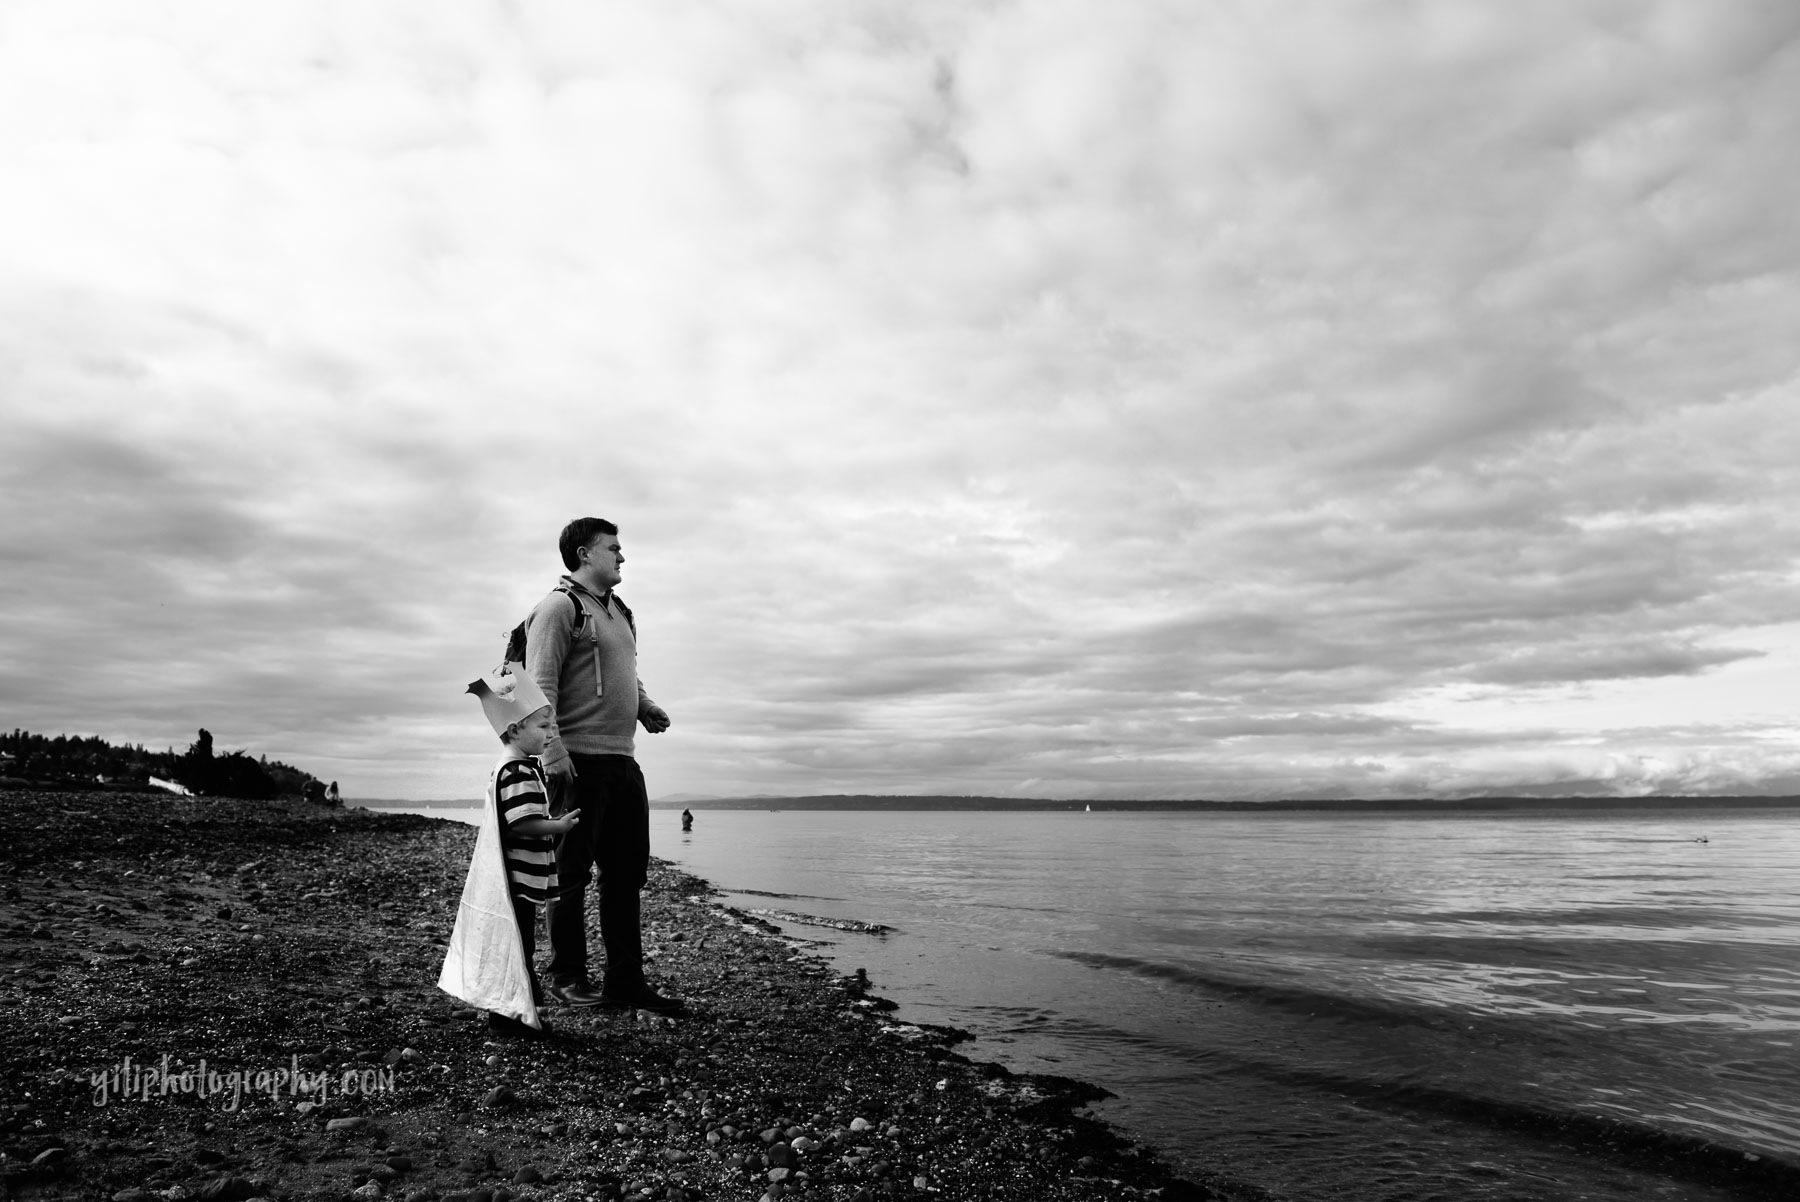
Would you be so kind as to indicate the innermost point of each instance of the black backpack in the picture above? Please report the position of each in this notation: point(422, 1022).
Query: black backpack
point(515, 641)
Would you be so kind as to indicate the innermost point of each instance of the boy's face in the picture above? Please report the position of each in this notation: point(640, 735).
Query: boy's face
point(534, 733)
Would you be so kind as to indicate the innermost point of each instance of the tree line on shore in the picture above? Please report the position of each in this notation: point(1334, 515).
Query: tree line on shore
point(89, 760)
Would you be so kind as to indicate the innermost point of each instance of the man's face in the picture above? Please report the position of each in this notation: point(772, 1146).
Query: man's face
point(606, 559)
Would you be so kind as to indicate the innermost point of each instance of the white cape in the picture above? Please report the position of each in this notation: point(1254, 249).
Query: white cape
point(485, 963)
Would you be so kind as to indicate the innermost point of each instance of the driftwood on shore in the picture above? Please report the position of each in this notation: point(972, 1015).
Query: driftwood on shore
point(293, 950)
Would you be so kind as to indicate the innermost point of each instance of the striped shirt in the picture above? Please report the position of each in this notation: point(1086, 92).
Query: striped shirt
point(516, 790)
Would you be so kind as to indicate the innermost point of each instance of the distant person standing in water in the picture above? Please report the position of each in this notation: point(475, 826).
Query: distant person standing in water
point(687, 820)
point(581, 648)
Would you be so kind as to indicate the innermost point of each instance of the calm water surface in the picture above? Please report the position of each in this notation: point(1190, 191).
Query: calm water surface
point(1362, 1007)
point(1357, 1008)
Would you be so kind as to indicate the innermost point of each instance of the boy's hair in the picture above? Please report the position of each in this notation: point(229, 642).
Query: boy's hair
point(578, 534)
point(512, 728)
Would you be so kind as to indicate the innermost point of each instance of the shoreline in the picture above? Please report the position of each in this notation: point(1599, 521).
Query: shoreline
point(298, 948)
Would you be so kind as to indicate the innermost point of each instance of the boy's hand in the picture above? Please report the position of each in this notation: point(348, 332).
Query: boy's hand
point(654, 718)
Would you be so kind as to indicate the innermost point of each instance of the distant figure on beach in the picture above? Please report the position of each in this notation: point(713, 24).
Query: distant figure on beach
point(687, 820)
point(332, 796)
point(581, 649)
point(314, 791)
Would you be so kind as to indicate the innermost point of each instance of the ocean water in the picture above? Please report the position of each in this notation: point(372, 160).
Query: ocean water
point(1349, 1007)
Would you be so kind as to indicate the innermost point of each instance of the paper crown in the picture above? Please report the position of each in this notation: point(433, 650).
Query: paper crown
point(508, 695)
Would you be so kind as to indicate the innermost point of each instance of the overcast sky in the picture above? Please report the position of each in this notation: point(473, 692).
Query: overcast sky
point(1048, 398)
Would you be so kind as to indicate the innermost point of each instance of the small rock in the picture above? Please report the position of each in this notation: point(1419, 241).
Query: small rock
point(782, 1155)
point(676, 1156)
point(859, 1123)
point(48, 1158)
point(527, 1176)
point(499, 1096)
point(400, 1164)
point(367, 1193)
point(134, 1194)
point(778, 1175)
point(227, 1189)
point(353, 1123)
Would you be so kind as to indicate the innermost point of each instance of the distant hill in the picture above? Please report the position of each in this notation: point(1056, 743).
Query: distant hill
point(84, 761)
point(1471, 805)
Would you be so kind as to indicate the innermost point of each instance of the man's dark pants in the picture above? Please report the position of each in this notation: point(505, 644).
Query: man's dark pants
point(612, 838)
point(525, 914)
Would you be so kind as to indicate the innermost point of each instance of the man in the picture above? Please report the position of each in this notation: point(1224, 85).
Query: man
point(581, 648)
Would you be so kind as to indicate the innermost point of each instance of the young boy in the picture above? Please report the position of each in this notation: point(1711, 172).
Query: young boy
point(517, 792)
point(522, 719)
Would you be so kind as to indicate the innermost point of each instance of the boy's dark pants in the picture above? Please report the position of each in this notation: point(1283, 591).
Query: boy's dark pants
point(612, 836)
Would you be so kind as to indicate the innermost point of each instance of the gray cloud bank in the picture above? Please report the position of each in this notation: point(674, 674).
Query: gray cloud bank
point(1148, 400)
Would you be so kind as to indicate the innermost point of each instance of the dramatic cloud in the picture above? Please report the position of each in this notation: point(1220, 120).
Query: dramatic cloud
point(1154, 399)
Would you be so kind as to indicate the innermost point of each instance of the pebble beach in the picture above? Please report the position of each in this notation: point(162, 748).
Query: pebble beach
point(215, 999)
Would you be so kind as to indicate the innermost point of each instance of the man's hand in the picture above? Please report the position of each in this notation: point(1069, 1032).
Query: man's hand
point(654, 718)
point(556, 763)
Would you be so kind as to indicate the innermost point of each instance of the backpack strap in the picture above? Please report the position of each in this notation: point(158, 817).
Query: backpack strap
point(580, 609)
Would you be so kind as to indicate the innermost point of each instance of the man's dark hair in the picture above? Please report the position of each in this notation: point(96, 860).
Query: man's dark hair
point(578, 534)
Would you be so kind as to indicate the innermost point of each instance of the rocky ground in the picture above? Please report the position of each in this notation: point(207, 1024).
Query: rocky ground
point(152, 946)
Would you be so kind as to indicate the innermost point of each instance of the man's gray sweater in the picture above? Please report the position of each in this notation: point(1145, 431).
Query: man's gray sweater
point(591, 680)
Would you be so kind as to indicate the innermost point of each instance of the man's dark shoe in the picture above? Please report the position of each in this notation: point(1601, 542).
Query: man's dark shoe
point(643, 998)
point(576, 993)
